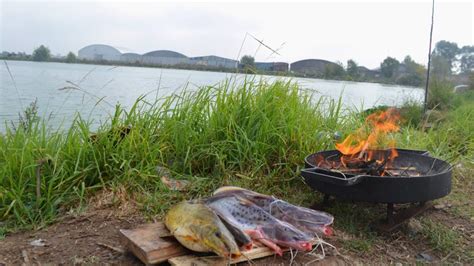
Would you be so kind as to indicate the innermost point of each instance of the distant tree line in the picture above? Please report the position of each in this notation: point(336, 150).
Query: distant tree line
point(447, 59)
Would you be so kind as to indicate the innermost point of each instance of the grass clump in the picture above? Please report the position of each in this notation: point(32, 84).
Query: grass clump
point(440, 94)
point(255, 134)
point(441, 237)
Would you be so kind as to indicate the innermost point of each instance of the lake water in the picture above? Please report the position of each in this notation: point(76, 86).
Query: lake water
point(43, 81)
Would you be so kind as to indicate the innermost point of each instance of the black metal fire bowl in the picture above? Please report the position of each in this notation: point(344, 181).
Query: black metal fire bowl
point(433, 183)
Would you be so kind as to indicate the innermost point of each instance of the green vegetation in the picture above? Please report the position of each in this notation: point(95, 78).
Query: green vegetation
point(258, 130)
point(334, 71)
point(41, 53)
point(441, 237)
point(247, 62)
point(71, 58)
point(254, 135)
point(389, 66)
point(352, 70)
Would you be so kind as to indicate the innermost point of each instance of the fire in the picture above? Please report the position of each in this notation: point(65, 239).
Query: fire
point(370, 142)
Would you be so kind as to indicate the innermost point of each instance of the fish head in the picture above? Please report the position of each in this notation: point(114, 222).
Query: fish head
point(218, 241)
point(286, 235)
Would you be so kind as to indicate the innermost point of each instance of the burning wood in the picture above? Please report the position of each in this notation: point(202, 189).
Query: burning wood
point(370, 150)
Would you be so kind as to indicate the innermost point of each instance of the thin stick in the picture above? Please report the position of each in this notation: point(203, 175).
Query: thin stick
point(429, 60)
point(38, 179)
point(240, 50)
point(118, 250)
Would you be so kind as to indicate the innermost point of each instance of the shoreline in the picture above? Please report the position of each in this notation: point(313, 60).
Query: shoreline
point(217, 70)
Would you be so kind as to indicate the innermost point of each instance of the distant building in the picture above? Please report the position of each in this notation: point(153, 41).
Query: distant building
point(165, 57)
point(99, 52)
point(313, 67)
point(281, 66)
point(264, 66)
point(131, 58)
point(272, 66)
point(214, 61)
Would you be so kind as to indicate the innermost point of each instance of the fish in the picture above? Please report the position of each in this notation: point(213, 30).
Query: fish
point(258, 224)
point(198, 228)
point(243, 240)
point(305, 219)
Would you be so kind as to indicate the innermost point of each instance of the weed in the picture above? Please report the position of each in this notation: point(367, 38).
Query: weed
point(253, 135)
point(441, 237)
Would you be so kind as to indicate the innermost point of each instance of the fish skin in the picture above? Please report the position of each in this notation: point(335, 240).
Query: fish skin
point(307, 220)
point(243, 240)
point(258, 224)
point(198, 228)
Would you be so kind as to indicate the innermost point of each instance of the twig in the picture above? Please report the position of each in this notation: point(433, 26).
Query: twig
point(116, 249)
point(406, 170)
point(85, 236)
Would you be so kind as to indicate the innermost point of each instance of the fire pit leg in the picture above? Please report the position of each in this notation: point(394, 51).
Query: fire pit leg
point(321, 205)
point(393, 221)
point(326, 200)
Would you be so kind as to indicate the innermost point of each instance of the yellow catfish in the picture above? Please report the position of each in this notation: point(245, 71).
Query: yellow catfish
point(198, 228)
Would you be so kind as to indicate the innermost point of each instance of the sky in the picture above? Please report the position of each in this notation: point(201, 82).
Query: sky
point(366, 31)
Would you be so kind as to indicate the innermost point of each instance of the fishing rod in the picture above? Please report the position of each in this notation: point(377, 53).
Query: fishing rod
point(429, 60)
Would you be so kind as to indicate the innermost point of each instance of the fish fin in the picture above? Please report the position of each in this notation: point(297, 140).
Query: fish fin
point(227, 189)
point(244, 201)
point(257, 235)
point(186, 237)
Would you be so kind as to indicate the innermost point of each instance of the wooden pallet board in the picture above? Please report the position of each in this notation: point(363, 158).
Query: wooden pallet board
point(153, 243)
point(194, 260)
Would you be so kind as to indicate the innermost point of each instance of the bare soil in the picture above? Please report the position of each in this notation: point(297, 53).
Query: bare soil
point(93, 238)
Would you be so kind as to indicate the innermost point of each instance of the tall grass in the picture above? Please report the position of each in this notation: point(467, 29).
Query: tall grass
point(255, 134)
point(255, 130)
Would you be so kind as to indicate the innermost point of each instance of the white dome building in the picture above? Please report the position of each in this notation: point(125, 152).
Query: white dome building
point(131, 58)
point(165, 57)
point(98, 52)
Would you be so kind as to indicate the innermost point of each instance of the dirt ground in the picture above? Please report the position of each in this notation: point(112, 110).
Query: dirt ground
point(92, 237)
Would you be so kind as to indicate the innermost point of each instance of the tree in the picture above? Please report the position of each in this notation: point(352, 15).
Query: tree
point(352, 69)
point(466, 60)
point(332, 70)
point(389, 66)
point(448, 50)
point(41, 53)
point(440, 67)
point(467, 63)
point(247, 61)
point(414, 73)
point(70, 58)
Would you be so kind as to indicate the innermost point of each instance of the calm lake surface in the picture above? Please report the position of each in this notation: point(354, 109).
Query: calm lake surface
point(44, 81)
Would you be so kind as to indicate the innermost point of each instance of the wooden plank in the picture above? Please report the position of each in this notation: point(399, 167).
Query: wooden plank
point(151, 244)
point(190, 260)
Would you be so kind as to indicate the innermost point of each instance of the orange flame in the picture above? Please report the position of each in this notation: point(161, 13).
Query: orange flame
point(373, 136)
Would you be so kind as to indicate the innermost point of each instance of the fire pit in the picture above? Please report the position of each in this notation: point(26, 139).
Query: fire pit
point(432, 179)
point(360, 171)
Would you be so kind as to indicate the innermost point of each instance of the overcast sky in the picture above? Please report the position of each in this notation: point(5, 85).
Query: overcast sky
point(337, 31)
